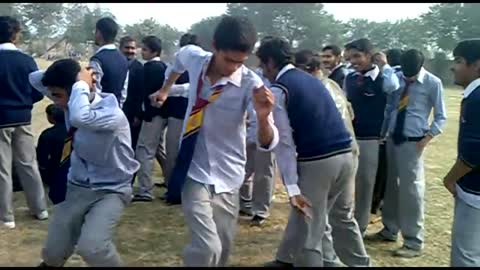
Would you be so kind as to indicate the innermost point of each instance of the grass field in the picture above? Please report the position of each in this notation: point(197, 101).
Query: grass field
point(154, 234)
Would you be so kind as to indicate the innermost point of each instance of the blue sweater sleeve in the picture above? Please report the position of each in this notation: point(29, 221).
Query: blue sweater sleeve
point(36, 95)
point(469, 140)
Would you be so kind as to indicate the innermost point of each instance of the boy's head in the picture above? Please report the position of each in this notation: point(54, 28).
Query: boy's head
point(308, 61)
point(54, 114)
point(274, 53)
point(360, 54)
point(466, 66)
point(411, 62)
point(393, 57)
point(151, 47)
point(128, 46)
point(9, 29)
point(105, 31)
point(331, 56)
point(233, 41)
point(188, 39)
point(59, 79)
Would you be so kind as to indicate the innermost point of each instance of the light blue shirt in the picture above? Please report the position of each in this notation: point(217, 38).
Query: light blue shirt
point(220, 152)
point(425, 94)
point(102, 156)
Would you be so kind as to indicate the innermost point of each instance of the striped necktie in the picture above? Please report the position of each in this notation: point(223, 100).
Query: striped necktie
point(398, 137)
point(187, 147)
point(67, 145)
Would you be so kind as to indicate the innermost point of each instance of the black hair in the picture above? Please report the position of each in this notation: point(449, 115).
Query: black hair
point(334, 48)
point(126, 39)
point(153, 43)
point(308, 60)
point(189, 39)
point(56, 112)
point(235, 33)
point(393, 57)
point(108, 28)
point(362, 45)
point(9, 28)
point(411, 62)
point(62, 73)
point(469, 50)
point(277, 49)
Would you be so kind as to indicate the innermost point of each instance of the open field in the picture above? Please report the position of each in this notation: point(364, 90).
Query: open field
point(152, 234)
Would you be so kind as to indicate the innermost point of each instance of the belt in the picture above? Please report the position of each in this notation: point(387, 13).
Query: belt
point(414, 139)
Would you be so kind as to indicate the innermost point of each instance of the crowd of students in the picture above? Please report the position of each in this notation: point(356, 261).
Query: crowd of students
point(346, 128)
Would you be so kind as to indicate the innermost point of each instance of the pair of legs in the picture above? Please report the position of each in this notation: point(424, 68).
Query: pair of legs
point(212, 220)
point(403, 207)
point(328, 184)
point(17, 150)
point(85, 220)
point(257, 191)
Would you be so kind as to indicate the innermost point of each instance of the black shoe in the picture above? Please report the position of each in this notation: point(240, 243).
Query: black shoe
point(245, 215)
point(44, 265)
point(278, 264)
point(257, 221)
point(163, 197)
point(140, 198)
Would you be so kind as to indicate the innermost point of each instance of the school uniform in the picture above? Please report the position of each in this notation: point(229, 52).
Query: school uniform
point(465, 250)
point(17, 147)
point(367, 92)
point(212, 155)
point(315, 159)
point(406, 123)
point(99, 181)
point(151, 136)
point(111, 67)
point(133, 103)
point(338, 74)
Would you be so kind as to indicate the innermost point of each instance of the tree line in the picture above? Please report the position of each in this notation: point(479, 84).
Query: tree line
point(305, 25)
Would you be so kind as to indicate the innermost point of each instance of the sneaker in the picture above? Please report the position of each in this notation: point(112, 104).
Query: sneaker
point(378, 237)
point(257, 221)
point(141, 198)
point(9, 224)
point(278, 264)
point(42, 216)
point(406, 252)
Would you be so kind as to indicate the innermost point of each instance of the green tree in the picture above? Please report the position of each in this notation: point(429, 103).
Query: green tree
point(443, 23)
point(204, 29)
point(43, 19)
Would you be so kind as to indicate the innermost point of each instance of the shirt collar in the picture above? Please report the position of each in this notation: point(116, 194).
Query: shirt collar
point(235, 78)
point(283, 70)
point(471, 87)
point(157, 58)
point(420, 77)
point(8, 46)
point(373, 73)
point(336, 67)
point(110, 46)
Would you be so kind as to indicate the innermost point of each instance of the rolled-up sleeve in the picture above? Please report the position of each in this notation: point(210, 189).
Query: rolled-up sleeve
point(285, 152)
point(390, 79)
point(186, 56)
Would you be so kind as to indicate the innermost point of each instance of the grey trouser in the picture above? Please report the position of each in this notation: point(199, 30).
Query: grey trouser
point(325, 183)
point(86, 219)
point(212, 221)
point(17, 149)
point(345, 240)
point(150, 143)
point(365, 181)
point(403, 205)
point(174, 133)
point(256, 193)
point(465, 236)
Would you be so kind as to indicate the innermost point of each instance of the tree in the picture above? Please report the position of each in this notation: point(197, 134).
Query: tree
point(204, 29)
point(442, 24)
point(8, 9)
point(42, 19)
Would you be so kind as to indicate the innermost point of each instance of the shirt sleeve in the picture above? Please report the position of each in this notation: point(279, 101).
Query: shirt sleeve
point(389, 109)
point(439, 111)
point(186, 57)
point(285, 151)
point(390, 79)
point(82, 115)
point(124, 92)
point(98, 69)
point(177, 89)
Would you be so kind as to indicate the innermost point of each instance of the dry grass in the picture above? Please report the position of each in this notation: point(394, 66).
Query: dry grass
point(154, 234)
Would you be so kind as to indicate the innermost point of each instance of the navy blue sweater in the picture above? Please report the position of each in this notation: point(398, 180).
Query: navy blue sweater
point(176, 107)
point(133, 104)
point(17, 96)
point(368, 101)
point(469, 142)
point(154, 72)
point(318, 128)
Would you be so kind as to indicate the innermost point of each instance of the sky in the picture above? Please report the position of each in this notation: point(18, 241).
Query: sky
point(183, 15)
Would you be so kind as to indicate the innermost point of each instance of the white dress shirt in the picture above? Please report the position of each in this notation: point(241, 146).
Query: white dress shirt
point(98, 68)
point(220, 151)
